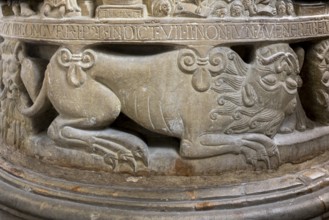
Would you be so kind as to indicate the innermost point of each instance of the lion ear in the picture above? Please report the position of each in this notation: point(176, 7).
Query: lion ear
point(300, 52)
point(19, 51)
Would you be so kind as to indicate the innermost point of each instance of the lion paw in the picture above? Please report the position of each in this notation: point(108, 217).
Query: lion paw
point(260, 148)
point(117, 157)
point(118, 149)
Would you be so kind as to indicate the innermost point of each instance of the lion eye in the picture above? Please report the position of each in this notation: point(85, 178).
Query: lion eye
point(291, 83)
point(270, 80)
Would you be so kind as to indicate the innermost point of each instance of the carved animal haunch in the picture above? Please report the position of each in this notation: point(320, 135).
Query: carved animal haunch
point(214, 102)
point(315, 73)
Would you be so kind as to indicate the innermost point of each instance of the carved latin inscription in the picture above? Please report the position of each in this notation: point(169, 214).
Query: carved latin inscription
point(176, 32)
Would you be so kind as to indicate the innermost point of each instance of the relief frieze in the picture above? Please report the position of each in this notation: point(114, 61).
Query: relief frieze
point(164, 109)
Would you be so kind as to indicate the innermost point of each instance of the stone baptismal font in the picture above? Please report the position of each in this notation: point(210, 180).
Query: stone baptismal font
point(164, 109)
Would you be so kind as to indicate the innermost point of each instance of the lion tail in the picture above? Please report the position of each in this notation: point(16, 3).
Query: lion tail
point(40, 105)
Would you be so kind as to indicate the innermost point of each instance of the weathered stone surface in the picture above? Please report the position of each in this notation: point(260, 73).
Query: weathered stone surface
point(147, 109)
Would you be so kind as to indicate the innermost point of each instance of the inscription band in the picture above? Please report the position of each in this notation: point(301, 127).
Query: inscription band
point(182, 32)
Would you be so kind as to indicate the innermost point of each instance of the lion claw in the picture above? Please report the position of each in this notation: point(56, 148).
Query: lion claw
point(258, 147)
point(111, 160)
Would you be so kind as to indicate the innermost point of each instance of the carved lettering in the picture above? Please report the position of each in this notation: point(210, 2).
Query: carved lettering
point(182, 33)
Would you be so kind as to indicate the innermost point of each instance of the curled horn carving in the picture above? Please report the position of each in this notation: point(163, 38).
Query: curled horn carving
point(76, 64)
point(280, 56)
point(271, 59)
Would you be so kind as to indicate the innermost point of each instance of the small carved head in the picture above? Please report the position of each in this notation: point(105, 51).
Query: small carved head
point(290, 8)
point(162, 8)
point(281, 8)
point(219, 10)
point(237, 9)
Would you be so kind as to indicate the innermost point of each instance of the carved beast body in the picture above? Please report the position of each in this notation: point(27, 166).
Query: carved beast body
point(214, 102)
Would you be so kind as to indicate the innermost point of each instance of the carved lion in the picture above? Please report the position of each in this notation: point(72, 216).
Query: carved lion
point(214, 102)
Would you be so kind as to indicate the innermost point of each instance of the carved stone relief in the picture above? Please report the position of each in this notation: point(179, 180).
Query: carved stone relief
point(59, 9)
point(238, 115)
point(235, 94)
point(14, 126)
point(100, 95)
point(156, 8)
point(315, 91)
